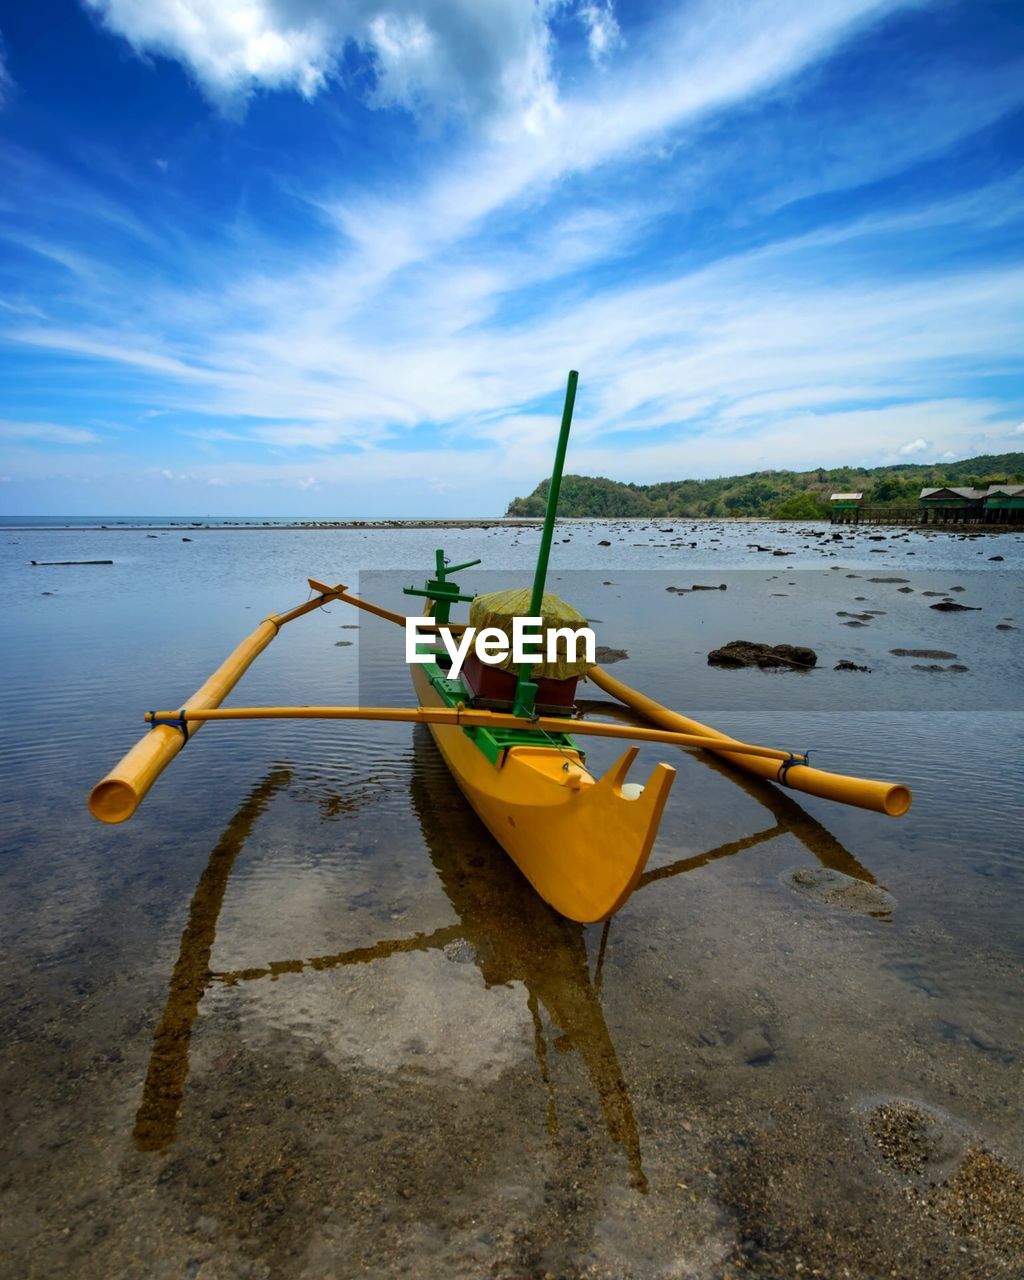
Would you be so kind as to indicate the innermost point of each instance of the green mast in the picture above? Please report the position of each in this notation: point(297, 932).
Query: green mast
point(526, 690)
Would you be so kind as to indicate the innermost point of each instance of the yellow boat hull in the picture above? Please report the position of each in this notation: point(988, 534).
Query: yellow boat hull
point(582, 842)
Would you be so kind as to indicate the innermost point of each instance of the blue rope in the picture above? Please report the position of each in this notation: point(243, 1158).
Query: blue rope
point(176, 722)
point(786, 765)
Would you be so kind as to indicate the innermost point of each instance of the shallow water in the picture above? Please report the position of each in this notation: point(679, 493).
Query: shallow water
point(300, 1017)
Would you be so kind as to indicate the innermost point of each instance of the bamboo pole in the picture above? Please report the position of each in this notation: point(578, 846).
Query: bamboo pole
point(389, 615)
point(466, 718)
point(116, 797)
point(892, 798)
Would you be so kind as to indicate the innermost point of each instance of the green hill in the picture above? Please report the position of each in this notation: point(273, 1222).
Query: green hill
point(787, 494)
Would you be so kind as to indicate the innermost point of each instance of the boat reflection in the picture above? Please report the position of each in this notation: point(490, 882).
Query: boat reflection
point(163, 1091)
point(517, 937)
point(790, 817)
point(502, 924)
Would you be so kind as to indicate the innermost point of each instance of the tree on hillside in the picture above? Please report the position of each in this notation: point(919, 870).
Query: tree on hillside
point(762, 492)
point(892, 489)
point(801, 506)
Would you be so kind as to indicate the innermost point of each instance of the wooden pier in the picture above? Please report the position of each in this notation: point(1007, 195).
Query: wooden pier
point(995, 509)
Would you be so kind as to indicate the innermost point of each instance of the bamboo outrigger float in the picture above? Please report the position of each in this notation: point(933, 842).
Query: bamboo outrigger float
point(581, 841)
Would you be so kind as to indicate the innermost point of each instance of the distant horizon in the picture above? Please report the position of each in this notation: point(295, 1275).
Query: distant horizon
point(446, 513)
point(125, 517)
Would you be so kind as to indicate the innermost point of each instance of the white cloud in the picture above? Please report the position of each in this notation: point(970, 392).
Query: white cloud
point(425, 316)
point(231, 46)
point(108, 346)
point(491, 59)
point(45, 433)
point(730, 54)
point(835, 438)
point(603, 32)
point(462, 56)
point(399, 482)
point(313, 435)
point(1018, 429)
point(724, 360)
point(308, 482)
point(438, 56)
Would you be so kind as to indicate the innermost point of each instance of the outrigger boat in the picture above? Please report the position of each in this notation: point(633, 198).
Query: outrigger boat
point(509, 740)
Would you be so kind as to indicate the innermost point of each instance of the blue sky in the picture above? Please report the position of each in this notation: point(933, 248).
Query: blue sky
point(336, 257)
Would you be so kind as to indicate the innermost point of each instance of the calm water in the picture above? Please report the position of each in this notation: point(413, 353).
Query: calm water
point(299, 1017)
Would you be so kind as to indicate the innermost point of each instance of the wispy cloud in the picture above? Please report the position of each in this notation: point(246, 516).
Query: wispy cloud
point(45, 433)
point(432, 56)
point(660, 212)
point(108, 345)
point(603, 33)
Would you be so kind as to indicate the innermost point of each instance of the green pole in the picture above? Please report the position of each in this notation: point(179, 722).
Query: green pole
point(526, 690)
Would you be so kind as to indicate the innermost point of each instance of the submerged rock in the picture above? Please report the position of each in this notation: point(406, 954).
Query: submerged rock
point(951, 606)
point(844, 664)
point(752, 653)
point(914, 1141)
point(460, 952)
point(835, 889)
point(922, 653)
point(606, 656)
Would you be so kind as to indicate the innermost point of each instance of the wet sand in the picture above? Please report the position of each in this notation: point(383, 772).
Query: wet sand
point(303, 1019)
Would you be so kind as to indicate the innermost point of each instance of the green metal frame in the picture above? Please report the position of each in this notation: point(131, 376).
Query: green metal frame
point(440, 589)
point(526, 689)
point(444, 593)
point(493, 742)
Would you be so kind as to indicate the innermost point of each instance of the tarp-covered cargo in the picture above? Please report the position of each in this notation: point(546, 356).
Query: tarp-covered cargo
point(498, 608)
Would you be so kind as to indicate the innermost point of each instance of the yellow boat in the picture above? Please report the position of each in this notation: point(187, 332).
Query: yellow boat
point(581, 841)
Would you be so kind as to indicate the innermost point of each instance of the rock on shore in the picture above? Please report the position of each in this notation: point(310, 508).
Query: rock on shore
point(752, 653)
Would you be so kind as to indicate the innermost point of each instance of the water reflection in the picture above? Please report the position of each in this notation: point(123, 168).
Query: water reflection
point(790, 817)
point(517, 937)
point(156, 1119)
point(502, 927)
